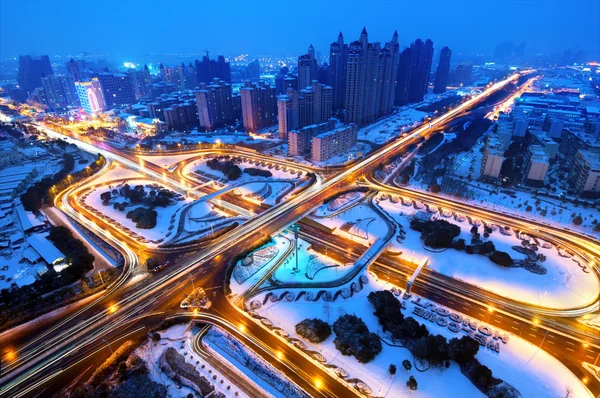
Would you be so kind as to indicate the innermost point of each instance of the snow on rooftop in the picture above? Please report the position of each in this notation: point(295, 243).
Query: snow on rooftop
point(45, 248)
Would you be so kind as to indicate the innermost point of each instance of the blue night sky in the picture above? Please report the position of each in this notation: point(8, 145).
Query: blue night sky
point(131, 28)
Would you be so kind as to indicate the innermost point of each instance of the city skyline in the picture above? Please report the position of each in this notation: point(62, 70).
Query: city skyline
point(446, 23)
point(312, 199)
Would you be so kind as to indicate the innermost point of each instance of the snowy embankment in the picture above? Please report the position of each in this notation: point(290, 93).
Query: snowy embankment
point(533, 372)
point(564, 286)
point(360, 223)
point(178, 338)
point(243, 358)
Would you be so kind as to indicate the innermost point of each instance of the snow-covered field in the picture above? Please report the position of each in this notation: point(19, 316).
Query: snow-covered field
point(565, 285)
point(164, 220)
point(531, 371)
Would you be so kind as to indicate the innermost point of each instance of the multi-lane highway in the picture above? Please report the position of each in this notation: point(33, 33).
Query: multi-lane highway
point(127, 310)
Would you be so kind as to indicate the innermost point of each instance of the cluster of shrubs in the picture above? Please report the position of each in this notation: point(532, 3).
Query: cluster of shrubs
point(433, 348)
point(257, 172)
point(314, 330)
point(137, 195)
point(436, 234)
point(440, 234)
point(352, 337)
point(143, 218)
point(231, 170)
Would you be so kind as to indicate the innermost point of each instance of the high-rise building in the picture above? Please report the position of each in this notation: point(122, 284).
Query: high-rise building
point(537, 163)
point(283, 82)
point(324, 75)
point(462, 74)
point(310, 105)
point(90, 96)
point(299, 141)
point(73, 70)
point(215, 105)
point(584, 176)
point(403, 81)
point(117, 89)
point(192, 75)
point(252, 71)
point(443, 69)
point(370, 79)
point(334, 142)
point(338, 55)
point(259, 105)
point(142, 82)
point(420, 70)
point(59, 91)
point(308, 69)
point(181, 117)
point(31, 71)
point(208, 69)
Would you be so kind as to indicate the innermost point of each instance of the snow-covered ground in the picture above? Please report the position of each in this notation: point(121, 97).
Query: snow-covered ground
point(312, 266)
point(339, 204)
point(533, 372)
point(548, 210)
point(356, 152)
point(166, 160)
point(565, 285)
point(164, 219)
point(117, 172)
point(359, 223)
point(246, 185)
point(390, 127)
point(181, 340)
point(249, 275)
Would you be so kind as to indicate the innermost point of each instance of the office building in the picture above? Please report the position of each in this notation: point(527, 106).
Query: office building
point(215, 105)
point(117, 89)
point(370, 79)
point(334, 142)
point(208, 69)
point(299, 141)
point(308, 69)
point(59, 91)
point(90, 96)
point(259, 105)
point(338, 55)
point(31, 70)
point(537, 163)
point(308, 106)
point(443, 69)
